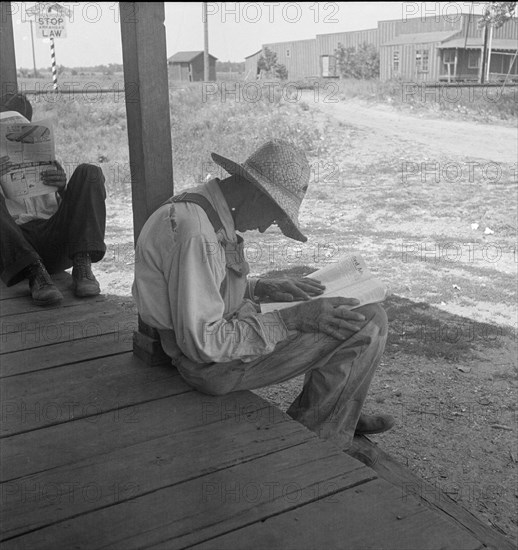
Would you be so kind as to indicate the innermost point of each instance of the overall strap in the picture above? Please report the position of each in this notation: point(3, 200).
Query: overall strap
point(202, 201)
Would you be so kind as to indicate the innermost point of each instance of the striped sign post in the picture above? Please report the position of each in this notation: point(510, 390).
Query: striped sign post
point(50, 23)
point(54, 68)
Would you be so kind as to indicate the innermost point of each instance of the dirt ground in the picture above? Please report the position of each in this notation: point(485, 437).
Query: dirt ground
point(456, 414)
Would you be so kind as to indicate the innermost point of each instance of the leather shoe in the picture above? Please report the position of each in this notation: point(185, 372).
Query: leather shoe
point(84, 283)
point(374, 424)
point(363, 450)
point(43, 291)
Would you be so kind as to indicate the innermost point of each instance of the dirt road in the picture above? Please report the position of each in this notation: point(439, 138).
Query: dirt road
point(459, 138)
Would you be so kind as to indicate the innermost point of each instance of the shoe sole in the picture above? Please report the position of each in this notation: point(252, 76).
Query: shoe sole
point(47, 302)
point(380, 430)
point(86, 294)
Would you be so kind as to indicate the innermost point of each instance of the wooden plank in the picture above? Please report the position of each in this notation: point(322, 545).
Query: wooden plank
point(20, 332)
point(410, 484)
point(50, 317)
point(58, 445)
point(56, 355)
point(373, 515)
point(8, 80)
point(147, 107)
point(25, 305)
point(36, 501)
point(209, 505)
point(43, 398)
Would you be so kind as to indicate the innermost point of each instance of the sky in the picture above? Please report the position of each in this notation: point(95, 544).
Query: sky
point(236, 29)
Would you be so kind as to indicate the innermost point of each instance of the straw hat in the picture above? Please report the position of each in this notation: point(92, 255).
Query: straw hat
point(280, 170)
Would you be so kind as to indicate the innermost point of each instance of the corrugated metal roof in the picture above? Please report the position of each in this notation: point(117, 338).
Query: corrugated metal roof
point(252, 54)
point(421, 38)
point(346, 32)
point(478, 43)
point(186, 57)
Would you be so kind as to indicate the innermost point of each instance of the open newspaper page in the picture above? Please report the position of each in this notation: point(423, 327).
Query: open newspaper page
point(29, 150)
point(349, 278)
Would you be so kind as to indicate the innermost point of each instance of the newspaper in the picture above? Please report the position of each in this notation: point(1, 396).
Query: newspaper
point(349, 278)
point(28, 148)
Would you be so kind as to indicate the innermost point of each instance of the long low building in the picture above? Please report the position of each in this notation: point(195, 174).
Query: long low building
point(424, 49)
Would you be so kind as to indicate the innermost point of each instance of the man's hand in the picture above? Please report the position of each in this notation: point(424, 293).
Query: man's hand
point(56, 177)
point(5, 165)
point(331, 316)
point(288, 289)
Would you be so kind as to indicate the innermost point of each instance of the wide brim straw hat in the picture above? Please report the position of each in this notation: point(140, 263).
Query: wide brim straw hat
point(281, 170)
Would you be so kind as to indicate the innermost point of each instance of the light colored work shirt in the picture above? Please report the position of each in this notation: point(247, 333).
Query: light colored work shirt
point(191, 284)
point(23, 209)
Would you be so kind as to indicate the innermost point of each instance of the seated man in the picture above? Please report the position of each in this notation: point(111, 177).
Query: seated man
point(51, 232)
point(191, 284)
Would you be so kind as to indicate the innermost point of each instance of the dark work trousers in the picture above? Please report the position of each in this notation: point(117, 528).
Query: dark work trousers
point(77, 226)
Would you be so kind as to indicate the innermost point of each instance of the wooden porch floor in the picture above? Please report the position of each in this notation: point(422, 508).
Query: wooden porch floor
point(99, 450)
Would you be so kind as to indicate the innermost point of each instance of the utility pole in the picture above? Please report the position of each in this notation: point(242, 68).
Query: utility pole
point(206, 73)
point(33, 54)
point(484, 55)
point(488, 60)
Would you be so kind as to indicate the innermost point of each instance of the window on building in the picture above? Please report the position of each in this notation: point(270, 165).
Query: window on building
point(395, 62)
point(421, 61)
point(288, 52)
point(473, 59)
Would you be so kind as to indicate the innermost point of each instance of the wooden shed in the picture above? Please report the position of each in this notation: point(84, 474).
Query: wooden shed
point(188, 66)
point(251, 69)
point(300, 57)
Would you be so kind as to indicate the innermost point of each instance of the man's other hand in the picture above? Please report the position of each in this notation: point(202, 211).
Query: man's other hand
point(332, 316)
point(56, 177)
point(288, 289)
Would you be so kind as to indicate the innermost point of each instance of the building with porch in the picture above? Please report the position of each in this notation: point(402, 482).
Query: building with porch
point(423, 49)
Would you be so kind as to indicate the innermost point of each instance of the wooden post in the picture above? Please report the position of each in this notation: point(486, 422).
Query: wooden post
point(149, 129)
point(206, 66)
point(147, 107)
point(482, 74)
point(8, 80)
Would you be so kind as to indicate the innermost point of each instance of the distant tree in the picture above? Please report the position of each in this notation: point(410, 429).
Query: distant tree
point(345, 60)
point(497, 13)
point(281, 72)
point(267, 61)
point(361, 63)
point(230, 66)
point(269, 66)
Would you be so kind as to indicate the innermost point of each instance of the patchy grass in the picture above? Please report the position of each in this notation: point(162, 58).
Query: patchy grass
point(486, 105)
